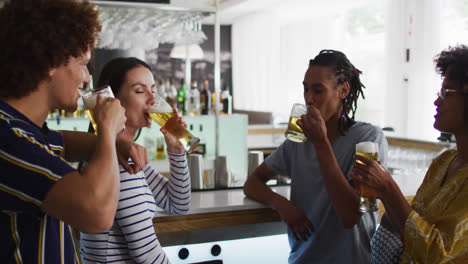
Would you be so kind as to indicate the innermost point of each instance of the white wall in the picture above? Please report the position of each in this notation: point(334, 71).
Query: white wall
point(295, 56)
point(423, 80)
point(256, 64)
point(394, 86)
point(411, 86)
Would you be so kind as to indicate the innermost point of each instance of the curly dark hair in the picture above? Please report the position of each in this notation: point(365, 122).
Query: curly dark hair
point(39, 35)
point(344, 71)
point(452, 63)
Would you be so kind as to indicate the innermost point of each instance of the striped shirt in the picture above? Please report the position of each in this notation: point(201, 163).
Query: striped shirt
point(132, 238)
point(31, 164)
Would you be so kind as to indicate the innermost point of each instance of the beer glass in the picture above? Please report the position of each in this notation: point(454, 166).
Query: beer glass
point(162, 114)
point(294, 132)
point(369, 150)
point(89, 101)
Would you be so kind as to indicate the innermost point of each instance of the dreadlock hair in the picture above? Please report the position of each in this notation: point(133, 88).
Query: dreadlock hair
point(343, 71)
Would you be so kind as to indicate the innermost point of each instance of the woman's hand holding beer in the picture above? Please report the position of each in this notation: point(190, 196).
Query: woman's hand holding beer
point(173, 144)
point(372, 175)
point(299, 225)
point(313, 125)
point(109, 115)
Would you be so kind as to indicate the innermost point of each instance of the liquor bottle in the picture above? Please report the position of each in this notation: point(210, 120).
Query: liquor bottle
point(226, 101)
point(213, 102)
point(194, 99)
point(160, 153)
point(187, 99)
point(181, 98)
point(161, 89)
point(171, 93)
point(205, 99)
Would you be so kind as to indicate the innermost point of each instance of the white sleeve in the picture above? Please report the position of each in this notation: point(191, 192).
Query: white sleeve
point(173, 194)
point(134, 217)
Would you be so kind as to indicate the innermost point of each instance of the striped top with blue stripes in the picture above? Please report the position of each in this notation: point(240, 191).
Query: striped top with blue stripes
point(30, 165)
point(132, 238)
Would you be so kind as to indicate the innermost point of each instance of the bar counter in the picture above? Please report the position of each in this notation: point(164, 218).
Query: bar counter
point(227, 213)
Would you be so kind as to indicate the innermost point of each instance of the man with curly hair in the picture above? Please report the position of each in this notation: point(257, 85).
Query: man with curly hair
point(46, 47)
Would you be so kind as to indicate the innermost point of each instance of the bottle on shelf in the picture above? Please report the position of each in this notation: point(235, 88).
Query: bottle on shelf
point(226, 102)
point(161, 89)
point(213, 102)
point(181, 96)
point(194, 99)
point(205, 99)
point(160, 153)
point(171, 93)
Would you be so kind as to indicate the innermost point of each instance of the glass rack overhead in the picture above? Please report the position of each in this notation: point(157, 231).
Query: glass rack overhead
point(144, 26)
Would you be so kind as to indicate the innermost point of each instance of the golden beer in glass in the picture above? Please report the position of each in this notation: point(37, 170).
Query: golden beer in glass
point(369, 150)
point(162, 114)
point(90, 99)
point(294, 132)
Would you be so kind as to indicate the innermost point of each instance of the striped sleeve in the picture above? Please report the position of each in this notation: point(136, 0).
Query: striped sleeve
point(29, 168)
point(173, 194)
point(134, 217)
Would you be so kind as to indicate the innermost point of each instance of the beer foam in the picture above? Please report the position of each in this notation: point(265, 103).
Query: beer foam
point(160, 106)
point(89, 101)
point(367, 147)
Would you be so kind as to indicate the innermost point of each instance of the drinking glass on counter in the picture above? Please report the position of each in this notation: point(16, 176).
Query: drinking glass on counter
point(89, 100)
point(369, 150)
point(294, 132)
point(161, 112)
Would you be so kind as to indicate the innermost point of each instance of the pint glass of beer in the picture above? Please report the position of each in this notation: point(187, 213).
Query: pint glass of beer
point(294, 132)
point(162, 114)
point(89, 101)
point(369, 150)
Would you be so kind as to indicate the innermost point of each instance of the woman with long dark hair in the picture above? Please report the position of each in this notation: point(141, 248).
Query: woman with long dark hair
point(132, 238)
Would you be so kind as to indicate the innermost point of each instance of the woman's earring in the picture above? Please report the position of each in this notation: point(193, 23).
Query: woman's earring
point(342, 116)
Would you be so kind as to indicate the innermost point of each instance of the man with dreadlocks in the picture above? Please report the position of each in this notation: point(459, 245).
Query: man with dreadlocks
point(324, 225)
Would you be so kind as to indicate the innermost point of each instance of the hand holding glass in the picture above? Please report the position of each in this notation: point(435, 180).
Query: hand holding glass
point(90, 100)
point(294, 132)
point(369, 150)
point(162, 114)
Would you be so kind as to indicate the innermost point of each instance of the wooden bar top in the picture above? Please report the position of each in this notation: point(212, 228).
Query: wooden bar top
point(224, 208)
point(219, 208)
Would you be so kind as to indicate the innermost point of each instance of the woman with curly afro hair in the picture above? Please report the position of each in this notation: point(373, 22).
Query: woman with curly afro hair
point(434, 227)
